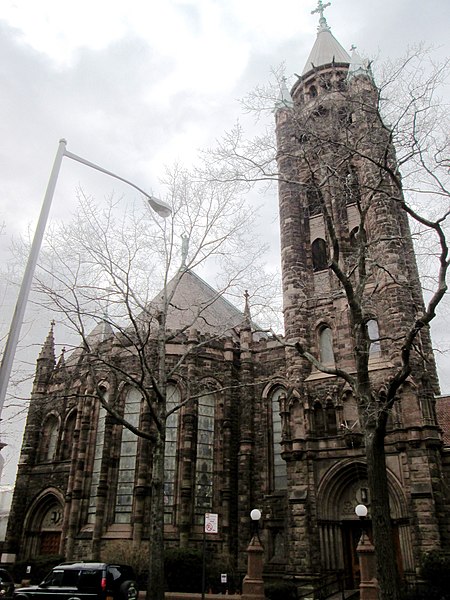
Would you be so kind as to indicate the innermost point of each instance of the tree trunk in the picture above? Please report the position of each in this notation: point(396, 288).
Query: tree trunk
point(155, 581)
point(387, 572)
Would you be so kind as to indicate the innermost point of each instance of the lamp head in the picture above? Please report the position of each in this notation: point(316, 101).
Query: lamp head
point(255, 514)
point(361, 511)
point(159, 206)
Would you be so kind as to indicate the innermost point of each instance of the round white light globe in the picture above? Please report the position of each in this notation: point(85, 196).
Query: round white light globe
point(361, 511)
point(255, 514)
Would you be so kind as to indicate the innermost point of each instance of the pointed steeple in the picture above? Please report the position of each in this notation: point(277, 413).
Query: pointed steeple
point(247, 315)
point(46, 360)
point(326, 49)
point(358, 66)
point(48, 349)
point(284, 99)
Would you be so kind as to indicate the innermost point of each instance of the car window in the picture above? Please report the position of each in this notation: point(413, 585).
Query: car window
point(69, 578)
point(53, 578)
point(90, 580)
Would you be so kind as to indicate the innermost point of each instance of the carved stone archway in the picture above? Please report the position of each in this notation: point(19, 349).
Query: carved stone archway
point(43, 525)
point(341, 488)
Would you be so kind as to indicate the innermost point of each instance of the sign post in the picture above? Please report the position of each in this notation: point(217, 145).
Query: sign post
point(211, 526)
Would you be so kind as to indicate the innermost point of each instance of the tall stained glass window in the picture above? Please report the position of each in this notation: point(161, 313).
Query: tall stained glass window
point(127, 462)
point(279, 465)
point(170, 456)
point(205, 456)
point(98, 454)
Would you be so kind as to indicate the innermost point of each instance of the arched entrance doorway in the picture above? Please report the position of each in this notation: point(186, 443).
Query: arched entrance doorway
point(341, 489)
point(43, 525)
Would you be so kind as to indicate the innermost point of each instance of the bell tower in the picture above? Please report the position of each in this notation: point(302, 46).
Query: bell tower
point(340, 202)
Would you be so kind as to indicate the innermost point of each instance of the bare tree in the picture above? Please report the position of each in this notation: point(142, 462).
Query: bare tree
point(127, 270)
point(366, 159)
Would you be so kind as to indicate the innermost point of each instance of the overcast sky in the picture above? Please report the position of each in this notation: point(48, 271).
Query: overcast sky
point(136, 85)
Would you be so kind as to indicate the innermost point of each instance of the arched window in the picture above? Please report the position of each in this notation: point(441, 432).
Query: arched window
point(374, 337)
point(319, 419)
point(279, 464)
point(98, 455)
point(319, 254)
point(173, 399)
point(205, 456)
point(313, 91)
point(331, 424)
point(354, 237)
point(69, 431)
point(314, 199)
point(326, 354)
point(49, 439)
point(127, 461)
point(351, 186)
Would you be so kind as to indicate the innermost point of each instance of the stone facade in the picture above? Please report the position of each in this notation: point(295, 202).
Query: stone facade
point(277, 432)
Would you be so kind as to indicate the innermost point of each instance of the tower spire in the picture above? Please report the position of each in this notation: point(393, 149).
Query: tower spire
point(323, 26)
point(326, 50)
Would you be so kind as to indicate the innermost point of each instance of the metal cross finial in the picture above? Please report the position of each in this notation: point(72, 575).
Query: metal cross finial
point(320, 8)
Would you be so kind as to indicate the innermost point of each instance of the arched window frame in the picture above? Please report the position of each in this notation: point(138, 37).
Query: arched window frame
point(373, 332)
point(68, 435)
point(204, 464)
point(173, 398)
point(325, 345)
point(49, 441)
point(128, 457)
point(99, 448)
point(351, 186)
point(279, 467)
point(319, 255)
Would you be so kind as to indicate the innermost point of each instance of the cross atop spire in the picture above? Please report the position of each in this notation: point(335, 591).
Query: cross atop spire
point(320, 9)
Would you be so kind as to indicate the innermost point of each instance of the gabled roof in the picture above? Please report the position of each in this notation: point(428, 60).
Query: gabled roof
point(196, 304)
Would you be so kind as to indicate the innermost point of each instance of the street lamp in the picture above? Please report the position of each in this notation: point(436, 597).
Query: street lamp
point(157, 205)
point(361, 511)
point(255, 516)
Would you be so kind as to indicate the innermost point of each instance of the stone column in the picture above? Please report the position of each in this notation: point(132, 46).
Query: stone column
point(368, 587)
point(253, 584)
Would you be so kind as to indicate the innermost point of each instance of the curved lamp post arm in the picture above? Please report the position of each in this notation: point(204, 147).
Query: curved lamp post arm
point(157, 205)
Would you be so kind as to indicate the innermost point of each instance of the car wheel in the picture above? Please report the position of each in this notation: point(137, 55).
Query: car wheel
point(128, 591)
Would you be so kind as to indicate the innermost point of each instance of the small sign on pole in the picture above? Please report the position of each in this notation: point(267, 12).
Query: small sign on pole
point(211, 523)
point(223, 578)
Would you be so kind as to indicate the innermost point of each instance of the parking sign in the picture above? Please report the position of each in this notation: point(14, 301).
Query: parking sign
point(211, 523)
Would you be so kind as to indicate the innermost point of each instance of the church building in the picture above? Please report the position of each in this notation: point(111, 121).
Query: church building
point(269, 428)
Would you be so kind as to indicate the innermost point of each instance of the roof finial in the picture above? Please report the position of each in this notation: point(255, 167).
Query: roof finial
point(320, 8)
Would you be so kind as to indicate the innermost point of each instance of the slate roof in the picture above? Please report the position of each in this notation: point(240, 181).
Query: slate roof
point(196, 304)
point(326, 50)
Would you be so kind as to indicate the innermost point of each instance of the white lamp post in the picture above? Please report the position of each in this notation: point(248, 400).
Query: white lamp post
point(157, 205)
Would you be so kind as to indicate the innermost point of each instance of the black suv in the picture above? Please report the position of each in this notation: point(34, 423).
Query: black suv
point(84, 581)
point(6, 585)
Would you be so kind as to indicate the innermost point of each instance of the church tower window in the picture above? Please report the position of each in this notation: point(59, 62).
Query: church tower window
point(170, 455)
point(205, 456)
point(326, 354)
point(279, 464)
point(315, 200)
point(351, 185)
point(127, 462)
point(319, 254)
point(374, 337)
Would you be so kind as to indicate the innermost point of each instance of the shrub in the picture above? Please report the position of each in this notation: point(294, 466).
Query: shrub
point(282, 590)
point(40, 567)
point(183, 570)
